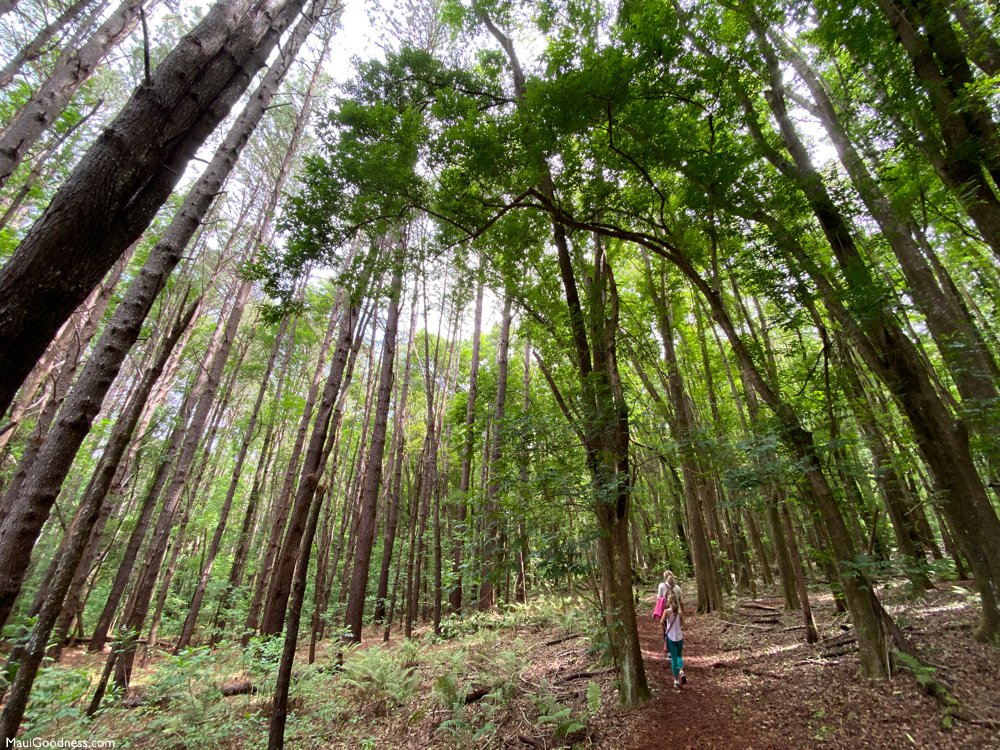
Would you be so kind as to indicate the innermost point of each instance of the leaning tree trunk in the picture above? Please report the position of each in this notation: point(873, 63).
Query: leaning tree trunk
point(312, 467)
point(79, 534)
point(115, 191)
point(72, 69)
point(966, 130)
point(280, 506)
point(943, 440)
point(21, 528)
point(373, 471)
point(143, 593)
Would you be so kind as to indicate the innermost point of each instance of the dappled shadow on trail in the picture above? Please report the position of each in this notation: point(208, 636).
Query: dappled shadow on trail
point(704, 713)
point(755, 684)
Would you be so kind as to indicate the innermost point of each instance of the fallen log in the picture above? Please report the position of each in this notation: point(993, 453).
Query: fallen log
point(582, 675)
point(238, 687)
point(843, 651)
point(554, 641)
point(838, 640)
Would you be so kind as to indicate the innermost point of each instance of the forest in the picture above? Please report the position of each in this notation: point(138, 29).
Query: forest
point(366, 364)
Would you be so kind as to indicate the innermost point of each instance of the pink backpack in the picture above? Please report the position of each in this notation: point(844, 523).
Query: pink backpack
point(661, 603)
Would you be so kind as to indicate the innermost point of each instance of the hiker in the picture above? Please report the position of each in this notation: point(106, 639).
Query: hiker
point(661, 595)
point(673, 637)
point(672, 586)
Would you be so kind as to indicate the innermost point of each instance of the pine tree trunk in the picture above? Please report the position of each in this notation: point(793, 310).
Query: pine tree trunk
point(455, 598)
point(121, 182)
point(81, 531)
point(398, 440)
point(312, 467)
point(492, 510)
point(373, 471)
point(281, 507)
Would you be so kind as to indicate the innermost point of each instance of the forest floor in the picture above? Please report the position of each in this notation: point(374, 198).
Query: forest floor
point(753, 681)
point(527, 679)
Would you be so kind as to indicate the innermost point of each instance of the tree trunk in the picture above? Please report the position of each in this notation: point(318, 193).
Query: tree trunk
point(373, 471)
point(492, 509)
point(455, 598)
point(119, 185)
point(399, 442)
point(280, 510)
point(80, 531)
point(312, 467)
point(971, 148)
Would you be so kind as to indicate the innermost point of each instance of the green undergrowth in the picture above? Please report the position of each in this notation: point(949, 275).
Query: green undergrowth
point(458, 690)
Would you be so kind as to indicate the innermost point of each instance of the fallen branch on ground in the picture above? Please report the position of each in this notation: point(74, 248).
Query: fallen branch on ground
point(846, 649)
point(554, 641)
point(582, 675)
point(838, 640)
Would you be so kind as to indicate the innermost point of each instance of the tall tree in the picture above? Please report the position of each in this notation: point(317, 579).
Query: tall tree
point(123, 179)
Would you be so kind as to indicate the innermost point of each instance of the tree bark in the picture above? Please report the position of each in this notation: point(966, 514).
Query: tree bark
point(373, 471)
point(116, 189)
point(455, 597)
point(396, 491)
point(312, 468)
point(79, 533)
point(491, 512)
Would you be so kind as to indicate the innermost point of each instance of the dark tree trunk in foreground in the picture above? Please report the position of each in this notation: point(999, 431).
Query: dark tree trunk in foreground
point(19, 532)
point(121, 182)
point(79, 534)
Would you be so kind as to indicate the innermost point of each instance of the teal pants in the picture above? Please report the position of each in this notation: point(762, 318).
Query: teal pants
point(675, 649)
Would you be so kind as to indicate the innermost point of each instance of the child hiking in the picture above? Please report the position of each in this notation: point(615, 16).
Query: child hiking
point(673, 637)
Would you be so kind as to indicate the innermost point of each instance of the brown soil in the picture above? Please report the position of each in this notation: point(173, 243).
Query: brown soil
point(760, 686)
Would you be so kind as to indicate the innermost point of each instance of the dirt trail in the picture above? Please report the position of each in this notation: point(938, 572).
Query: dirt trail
point(758, 686)
point(703, 714)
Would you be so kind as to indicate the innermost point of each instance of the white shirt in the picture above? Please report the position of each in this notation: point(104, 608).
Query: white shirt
point(661, 590)
point(673, 626)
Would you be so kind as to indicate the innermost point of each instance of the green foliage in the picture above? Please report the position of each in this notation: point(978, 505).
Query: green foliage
point(58, 697)
point(561, 719)
point(377, 680)
point(926, 677)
